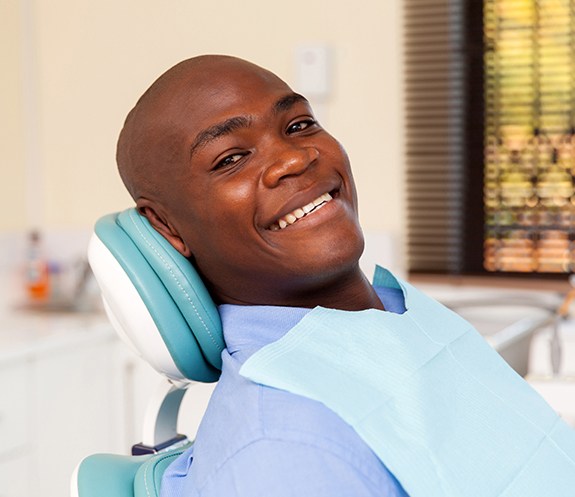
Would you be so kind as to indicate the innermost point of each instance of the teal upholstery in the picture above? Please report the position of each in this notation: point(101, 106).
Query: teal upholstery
point(108, 475)
point(187, 321)
point(172, 290)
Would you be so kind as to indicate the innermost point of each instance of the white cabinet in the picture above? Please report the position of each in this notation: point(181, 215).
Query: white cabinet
point(66, 395)
point(15, 384)
point(15, 477)
point(15, 440)
point(55, 407)
point(73, 410)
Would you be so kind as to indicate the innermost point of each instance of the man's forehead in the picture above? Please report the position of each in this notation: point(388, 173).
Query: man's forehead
point(192, 96)
point(215, 78)
point(207, 102)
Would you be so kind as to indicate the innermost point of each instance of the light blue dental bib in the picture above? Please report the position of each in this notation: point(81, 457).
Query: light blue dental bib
point(430, 397)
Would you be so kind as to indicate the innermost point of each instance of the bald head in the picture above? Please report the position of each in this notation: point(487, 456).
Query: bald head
point(151, 147)
point(229, 164)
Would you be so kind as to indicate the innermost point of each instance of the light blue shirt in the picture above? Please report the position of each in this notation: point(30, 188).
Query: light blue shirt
point(258, 441)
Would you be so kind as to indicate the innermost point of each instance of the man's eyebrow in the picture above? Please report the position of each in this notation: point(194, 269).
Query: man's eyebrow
point(219, 129)
point(287, 102)
point(229, 125)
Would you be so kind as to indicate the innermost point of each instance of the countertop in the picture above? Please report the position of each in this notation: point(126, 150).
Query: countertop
point(28, 332)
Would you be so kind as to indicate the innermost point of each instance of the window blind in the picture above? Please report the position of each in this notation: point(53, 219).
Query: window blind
point(490, 145)
point(435, 107)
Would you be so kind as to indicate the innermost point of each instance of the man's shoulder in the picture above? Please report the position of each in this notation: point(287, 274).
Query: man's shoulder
point(250, 429)
point(244, 414)
point(240, 409)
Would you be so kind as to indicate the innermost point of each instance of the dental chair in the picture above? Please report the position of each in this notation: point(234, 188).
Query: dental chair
point(158, 304)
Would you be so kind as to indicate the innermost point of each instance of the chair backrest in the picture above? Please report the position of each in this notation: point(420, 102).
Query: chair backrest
point(155, 298)
point(159, 305)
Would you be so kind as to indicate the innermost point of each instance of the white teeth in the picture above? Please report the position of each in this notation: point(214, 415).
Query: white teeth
point(300, 212)
point(290, 218)
point(308, 208)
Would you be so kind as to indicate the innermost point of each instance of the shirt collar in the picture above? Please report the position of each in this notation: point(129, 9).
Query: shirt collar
point(247, 328)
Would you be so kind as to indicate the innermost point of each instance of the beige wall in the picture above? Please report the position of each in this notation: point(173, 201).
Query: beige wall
point(12, 171)
point(89, 62)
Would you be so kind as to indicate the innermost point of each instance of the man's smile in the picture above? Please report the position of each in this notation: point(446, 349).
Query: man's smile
point(301, 212)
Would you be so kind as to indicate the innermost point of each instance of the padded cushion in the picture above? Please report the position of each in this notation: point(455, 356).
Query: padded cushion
point(173, 292)
point(110, 475)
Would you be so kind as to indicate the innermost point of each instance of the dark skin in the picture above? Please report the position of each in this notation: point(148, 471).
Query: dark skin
point(221, 155)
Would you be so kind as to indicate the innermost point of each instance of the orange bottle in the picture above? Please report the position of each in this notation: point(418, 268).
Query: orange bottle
point(37, 271)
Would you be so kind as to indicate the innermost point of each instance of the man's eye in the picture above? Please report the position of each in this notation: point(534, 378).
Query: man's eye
point(229, 160)
point(300, 126)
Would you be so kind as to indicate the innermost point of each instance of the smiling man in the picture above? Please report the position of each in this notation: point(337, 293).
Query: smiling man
point(232, 168)
point(399, 396)
point(229, 164)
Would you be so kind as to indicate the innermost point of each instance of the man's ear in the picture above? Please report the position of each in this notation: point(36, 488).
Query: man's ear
point(163, 226)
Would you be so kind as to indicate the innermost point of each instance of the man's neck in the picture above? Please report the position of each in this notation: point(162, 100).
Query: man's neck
point(352, 293)
point(349, 291)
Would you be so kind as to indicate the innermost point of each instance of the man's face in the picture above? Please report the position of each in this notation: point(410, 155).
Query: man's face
point(265, 201)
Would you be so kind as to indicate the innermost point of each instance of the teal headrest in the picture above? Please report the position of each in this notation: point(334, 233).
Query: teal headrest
point(172, 291)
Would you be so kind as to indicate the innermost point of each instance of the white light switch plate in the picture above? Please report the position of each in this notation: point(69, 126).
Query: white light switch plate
point(313, 66)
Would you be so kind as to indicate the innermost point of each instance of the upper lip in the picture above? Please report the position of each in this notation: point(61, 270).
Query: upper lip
point(302, 198)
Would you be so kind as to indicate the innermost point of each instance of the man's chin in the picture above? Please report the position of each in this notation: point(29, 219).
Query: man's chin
point(329, 258)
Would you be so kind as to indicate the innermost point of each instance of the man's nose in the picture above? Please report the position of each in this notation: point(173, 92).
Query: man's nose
point(289, 160)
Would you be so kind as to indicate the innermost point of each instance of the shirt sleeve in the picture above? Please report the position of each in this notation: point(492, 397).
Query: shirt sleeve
point(287, 469)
